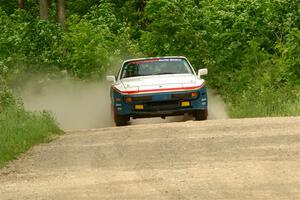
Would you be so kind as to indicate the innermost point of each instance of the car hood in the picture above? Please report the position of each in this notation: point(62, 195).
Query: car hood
point(158, 83)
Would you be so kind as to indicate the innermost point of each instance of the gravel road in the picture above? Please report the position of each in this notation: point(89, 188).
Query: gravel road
point(236, 159)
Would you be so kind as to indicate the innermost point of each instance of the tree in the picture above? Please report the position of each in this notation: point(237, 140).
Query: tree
point(21, 4)
point(44, 9)
point(60, 5)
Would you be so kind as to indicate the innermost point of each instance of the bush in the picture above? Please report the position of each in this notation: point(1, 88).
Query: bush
point(20, 130)
point(7, 99)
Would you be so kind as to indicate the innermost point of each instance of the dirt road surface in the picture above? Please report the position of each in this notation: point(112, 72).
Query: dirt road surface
point(248, 159)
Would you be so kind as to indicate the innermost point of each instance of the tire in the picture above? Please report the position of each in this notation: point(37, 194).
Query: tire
point(121, 120)
point(201, 115)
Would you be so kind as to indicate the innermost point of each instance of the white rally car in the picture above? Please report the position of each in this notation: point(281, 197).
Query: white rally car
point(158, 87)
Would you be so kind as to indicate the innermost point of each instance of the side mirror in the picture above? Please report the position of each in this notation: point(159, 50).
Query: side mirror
point(111, 78)
point(202, 72)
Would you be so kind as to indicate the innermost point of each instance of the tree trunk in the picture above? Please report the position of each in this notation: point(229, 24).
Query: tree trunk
point(141, 8)
point(21, 4)
point(44, 9)
point(61, 11)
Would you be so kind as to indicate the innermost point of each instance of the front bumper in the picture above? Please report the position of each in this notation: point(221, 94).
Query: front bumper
point(159, 104)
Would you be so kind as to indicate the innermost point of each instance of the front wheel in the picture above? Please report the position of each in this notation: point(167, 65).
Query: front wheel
point(201, 115)
point(121, 120)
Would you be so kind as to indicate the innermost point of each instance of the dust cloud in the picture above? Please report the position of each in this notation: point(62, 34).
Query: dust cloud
point(216, 106)
point(84, 105)
point(74, 104)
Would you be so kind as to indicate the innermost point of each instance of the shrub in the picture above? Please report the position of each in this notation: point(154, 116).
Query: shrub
point(20, 130)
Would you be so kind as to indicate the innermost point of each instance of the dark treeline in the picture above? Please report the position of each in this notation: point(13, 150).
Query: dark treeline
point(251, 47)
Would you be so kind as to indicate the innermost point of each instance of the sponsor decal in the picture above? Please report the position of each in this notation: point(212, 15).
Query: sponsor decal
point(156, 60)
point(143, 61)
point(170, 60)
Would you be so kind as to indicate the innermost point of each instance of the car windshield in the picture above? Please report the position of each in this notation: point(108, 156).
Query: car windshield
point(156, 67)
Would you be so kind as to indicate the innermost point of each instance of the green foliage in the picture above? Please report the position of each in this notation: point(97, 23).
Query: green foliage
point(7, 99)
point(20, 130)
point(25, 39)
point(89, 42)
point(253, 55)
point(233, 27)
point(173, 29)
point(8, 6)
point(266, 101)
point(80, 7)
point(289, 61)
point(88, 47)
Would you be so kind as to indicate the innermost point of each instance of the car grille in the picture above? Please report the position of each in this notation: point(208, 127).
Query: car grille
point(161, 106)
point(181, 96)
point(141, 99)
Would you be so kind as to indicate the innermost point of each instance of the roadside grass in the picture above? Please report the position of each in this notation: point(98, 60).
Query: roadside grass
point(278, 102)
point(20, 130)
